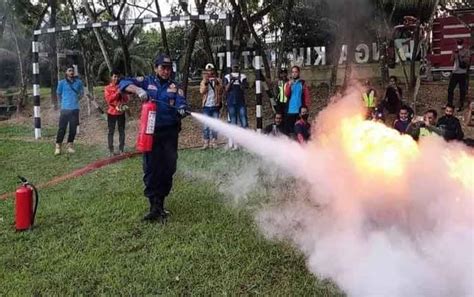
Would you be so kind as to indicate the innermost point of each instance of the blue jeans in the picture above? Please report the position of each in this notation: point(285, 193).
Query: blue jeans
point(212, 112)
point(238, 111)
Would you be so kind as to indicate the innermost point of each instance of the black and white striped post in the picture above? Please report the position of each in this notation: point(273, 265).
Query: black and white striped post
point(228, 42)
point(85, 25)
point(258, 90)
point(228, 55)
point(36, 87)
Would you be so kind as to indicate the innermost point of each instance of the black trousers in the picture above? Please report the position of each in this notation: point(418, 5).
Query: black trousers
point(461, 79)
point(112, 120)
point(159, 165)
point(67, 117)
point(290, 120)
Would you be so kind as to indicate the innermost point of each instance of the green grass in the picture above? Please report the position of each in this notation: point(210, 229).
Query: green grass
point(8, 130)
point(89, 239)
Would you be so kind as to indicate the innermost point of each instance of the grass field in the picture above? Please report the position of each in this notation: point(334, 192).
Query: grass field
point(89, 239)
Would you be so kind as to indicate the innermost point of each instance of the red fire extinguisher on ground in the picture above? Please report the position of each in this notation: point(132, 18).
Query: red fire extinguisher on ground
point(24, 211)
point(147, 127)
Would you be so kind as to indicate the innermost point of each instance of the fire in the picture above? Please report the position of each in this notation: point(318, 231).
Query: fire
point(376, 149)
point(461, 168)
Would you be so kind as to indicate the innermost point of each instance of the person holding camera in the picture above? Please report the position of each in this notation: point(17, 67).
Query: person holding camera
point(461, 58)
point(425, 127)
point(211, 90)
point(235, 84)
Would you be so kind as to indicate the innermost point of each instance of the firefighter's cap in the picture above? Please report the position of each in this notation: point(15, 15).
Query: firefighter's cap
point(163, 60)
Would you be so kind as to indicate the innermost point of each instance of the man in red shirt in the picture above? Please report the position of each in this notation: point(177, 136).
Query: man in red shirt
point(116, 111)
point(302, 126)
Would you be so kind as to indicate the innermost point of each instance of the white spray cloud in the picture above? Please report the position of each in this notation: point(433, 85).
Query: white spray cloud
point(383, 216)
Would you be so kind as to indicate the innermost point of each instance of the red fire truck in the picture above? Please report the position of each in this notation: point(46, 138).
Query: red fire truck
point(446, 30)
point(436, 59)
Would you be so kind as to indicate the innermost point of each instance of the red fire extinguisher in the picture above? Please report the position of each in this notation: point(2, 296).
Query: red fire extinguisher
point(24, 211)
point(147, 127)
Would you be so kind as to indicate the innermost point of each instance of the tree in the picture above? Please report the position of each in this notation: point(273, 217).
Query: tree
point(21, 18)
point(53, 53)
point(93, 18)
point(120, 31)
point(163, 29)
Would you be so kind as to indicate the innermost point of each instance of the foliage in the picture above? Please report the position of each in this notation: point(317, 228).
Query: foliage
point(312, 22)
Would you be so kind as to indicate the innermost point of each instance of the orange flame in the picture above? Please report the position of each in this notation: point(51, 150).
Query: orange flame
point(376, 149)
point(461, 168)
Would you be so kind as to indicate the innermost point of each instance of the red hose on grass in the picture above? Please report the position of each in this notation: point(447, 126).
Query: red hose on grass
point(79, 172)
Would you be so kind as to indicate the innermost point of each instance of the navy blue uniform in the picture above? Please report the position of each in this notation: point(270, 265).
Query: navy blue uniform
point(159, 165)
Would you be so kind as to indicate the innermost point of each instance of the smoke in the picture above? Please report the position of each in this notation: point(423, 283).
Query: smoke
point(374, 211)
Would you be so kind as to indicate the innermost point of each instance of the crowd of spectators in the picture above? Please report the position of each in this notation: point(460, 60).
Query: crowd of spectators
point(293, 100)
point(291, 117)
point(394, 112)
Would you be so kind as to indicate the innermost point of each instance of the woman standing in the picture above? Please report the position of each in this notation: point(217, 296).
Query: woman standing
point(116, 111)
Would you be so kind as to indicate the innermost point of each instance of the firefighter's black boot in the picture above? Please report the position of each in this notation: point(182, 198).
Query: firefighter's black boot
point(157, 211)
point(160, 201)
point(154, 213)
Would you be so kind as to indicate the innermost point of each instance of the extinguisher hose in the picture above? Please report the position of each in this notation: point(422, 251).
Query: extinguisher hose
point(36, 203)
point(187, 111)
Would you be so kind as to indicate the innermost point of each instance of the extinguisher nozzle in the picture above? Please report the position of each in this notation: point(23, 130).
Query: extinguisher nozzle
point(22, 179)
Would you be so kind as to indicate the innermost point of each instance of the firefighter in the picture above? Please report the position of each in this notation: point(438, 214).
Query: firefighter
point(460, 58)
point(159, 165)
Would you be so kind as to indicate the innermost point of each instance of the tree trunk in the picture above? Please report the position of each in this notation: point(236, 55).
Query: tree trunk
point(187, 56)
point(126, 52)
point(121, 37)
point(207, 42)
point(23, 93)
point(350, 44)
point(98, 36)
point(429, 28)
point(383, 64)
point(404, 68)
point(416, 45)
point(349, 61)
point(384, 33)
point(258, 40)
point(204, 33)
point(336, 54)
point(164, 37)
point(281, 57)
point(414, 54)
point(3, 20)
point(53, 56)
point(87, 73)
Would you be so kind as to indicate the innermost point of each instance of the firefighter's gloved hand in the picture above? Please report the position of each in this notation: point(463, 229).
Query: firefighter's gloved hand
point(183, 111)
point(142, 94)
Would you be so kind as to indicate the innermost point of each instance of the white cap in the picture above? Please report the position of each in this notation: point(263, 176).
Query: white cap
point(209, 66)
